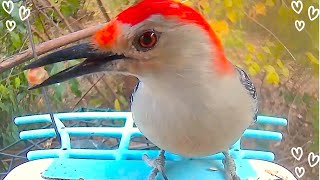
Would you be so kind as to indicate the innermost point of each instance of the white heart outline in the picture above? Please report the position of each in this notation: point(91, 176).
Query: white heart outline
point(301, 171)
point(22, 11)
point(311, 10)
point(313, 156)
point(7, 3)
point(296, 4)
point(300, 25)
point(294, 152)
point(11, 25)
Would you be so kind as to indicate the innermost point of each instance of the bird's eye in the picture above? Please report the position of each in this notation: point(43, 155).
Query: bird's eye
point(146, 41)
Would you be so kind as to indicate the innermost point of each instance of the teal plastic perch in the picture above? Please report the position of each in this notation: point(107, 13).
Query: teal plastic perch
point(124, 163)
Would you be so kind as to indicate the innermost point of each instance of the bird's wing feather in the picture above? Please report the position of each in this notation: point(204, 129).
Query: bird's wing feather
point(248, 85)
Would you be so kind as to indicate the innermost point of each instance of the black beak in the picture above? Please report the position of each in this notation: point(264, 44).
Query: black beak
point(94, 63)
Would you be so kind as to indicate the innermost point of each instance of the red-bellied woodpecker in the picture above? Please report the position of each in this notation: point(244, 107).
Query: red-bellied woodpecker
point(190, 100)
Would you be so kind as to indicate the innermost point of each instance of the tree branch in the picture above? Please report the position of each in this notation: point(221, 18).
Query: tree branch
point(45, 47)
point(103, 10)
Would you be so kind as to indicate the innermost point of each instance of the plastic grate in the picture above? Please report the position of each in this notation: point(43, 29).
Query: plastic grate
point(125, 133)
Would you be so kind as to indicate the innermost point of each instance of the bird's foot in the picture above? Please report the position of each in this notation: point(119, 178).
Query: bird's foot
point(157, 165)
point(230, 167)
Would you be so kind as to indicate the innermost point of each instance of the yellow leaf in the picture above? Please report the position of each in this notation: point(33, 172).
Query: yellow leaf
point(255, 66)
point(285, 71)
point(260, 56)
point(260, 8)
point(232, 15)
point(266, 50)
point(272, 77)
point(117, 105)
point(279, 63)
point(239, 65)
point(312, 58)
point(185, 2)
point(252, 71)
point(204, 4)
point(270, 3)
point(248, 58)
point(251, 47)
point(220, 27)
point(228, 3)
point(269, 68)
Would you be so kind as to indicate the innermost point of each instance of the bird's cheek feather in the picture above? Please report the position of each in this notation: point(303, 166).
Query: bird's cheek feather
point(137, 67)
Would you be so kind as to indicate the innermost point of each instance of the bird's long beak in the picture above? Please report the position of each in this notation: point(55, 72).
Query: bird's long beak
point(94, 63)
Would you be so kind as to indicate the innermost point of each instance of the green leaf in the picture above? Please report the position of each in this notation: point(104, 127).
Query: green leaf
point(4, 107)
point(17, 82)
point(59, 90)
point(4, 90)
point(16, 42)
point(69, 7)
point(307, 99)
point(96, 102)
point(123, 100)
point(56, 68)
point(289, 97)
point(74, 86)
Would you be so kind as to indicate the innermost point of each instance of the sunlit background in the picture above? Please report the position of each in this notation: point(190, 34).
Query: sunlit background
point(260, 36)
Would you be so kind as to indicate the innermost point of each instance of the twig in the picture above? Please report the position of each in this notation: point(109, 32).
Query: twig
point(261, 25)
point(4, 35)
point(98, 90)
point(50, 20)
point(61, 15)
point(93, 85)
point(108, 87)
point(43, 38)
point(294, 101)
point(45, 47)
point(23, 44)
point(103, 10)
point(41, 20)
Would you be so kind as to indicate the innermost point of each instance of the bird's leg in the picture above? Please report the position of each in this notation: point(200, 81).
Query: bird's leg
point(230, 167)
point(157, 165)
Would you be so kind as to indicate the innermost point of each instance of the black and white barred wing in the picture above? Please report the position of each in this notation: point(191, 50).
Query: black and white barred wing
point(248, 85)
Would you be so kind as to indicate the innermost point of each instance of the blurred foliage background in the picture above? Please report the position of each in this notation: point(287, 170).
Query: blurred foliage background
point(259, 36)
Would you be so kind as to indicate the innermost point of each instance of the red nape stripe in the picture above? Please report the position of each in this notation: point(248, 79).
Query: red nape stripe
point(168, 8)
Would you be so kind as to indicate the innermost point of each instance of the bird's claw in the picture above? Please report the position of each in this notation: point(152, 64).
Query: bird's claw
point(157, 165)
point(230, 167)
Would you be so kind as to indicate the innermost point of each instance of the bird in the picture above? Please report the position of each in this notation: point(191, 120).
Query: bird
point(190, 99)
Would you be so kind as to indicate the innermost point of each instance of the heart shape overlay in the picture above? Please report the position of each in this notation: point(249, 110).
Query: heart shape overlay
point(297, 6)
point(8, 6)
point(313, 13)
point(297, 153)
point(300, 25)
point(10, 25)
point(24, 13)
point(313, 159)
point(299, 171)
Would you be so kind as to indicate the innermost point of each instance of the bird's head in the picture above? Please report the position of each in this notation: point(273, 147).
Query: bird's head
point(147, 39)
